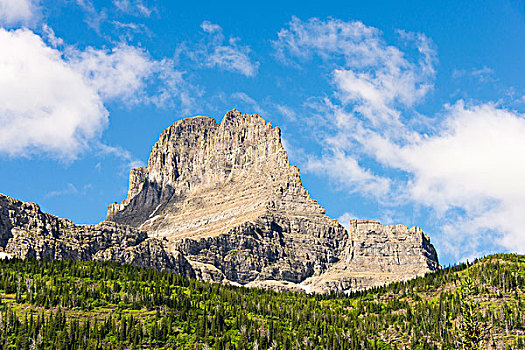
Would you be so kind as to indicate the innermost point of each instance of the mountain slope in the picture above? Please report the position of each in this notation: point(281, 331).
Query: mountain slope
point(93, 305)
point(27, 232)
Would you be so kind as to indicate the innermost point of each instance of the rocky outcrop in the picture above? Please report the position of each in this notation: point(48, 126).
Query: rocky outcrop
point(27, 232)
point(375, 255)
point(224, 195)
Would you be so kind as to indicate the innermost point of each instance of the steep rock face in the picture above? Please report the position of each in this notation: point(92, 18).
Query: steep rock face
point(377, 254)
point(225, 196)
point(27, 232)
point(219, 202)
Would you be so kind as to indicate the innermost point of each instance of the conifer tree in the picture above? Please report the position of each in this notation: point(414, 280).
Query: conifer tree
point(471, 328)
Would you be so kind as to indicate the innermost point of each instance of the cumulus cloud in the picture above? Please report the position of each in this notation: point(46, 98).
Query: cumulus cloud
point(463, 163)
point(467, 171)
point(17, 12)
point(124, 73)
point(45, 105)
point(118, 73)
point(215, 51)
point(52, 100)
point(472, 164)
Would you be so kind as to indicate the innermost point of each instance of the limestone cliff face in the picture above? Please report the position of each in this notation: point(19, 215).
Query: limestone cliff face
point(219, 202)
point(375, 255)
point(27, 232)
point(224, 195)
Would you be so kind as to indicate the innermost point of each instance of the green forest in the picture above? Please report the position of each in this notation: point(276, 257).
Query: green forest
point(93, 305)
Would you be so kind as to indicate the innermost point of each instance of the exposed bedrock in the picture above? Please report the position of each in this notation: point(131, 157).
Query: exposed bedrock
point(219, 202)
point(224, 195)
point(25, 231)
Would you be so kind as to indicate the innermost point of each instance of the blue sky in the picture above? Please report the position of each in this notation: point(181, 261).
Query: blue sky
point(405, 112)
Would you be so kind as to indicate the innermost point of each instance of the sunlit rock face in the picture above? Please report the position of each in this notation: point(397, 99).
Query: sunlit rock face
point(378, 254)
point(224, 196)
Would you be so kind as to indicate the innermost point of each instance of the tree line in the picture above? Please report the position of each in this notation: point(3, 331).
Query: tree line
point(104, 305)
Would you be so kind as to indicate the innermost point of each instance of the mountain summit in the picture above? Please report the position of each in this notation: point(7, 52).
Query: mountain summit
point(225, 197)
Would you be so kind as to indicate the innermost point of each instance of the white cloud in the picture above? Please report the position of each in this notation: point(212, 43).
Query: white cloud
point(482, 75)
point(242, 96)
point(209, 27)
point(286, 111)
point(128, 30)
point(17, 12)
point(133, 7)
point(344, 220)
point(346, 171)
point(374, 77)
point(472, 164)
point(123, 72)
point(217, 52)
point(464, 164)
point(51, 38)
point(45, 105)
point(70, 190)
point(128, 160)
point(52, 101)
point(93, 18)
point(328, 39)
point(372, 81)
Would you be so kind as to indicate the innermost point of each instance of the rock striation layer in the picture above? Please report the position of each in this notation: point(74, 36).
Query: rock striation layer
point(219, 202)
point(378, 254)
point(224, 195)
point(26, 232)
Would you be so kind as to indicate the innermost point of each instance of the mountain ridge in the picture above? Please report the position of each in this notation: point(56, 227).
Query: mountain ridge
point(220, 202)
point(224, 194)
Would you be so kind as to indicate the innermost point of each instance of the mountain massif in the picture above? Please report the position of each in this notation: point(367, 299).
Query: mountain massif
point(220, 202)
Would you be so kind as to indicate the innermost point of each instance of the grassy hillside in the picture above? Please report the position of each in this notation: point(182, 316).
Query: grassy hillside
point(87, 305)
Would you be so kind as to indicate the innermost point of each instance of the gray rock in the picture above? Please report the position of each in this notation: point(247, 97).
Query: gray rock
point(225, 196)
point(27, 232)
point(219, 202)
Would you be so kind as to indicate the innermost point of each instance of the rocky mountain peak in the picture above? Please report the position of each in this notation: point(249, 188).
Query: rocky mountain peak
point(219, 201)
point(193, 156)
point(224, 195)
